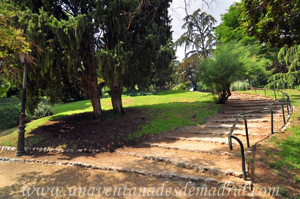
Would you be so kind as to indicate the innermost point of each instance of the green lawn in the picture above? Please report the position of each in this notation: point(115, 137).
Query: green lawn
point(168, 110)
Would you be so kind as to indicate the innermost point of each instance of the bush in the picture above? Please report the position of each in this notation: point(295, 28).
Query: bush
point(9, 112)
point(297, 87)
point(231, 62)
point(181, 86)
point(42, 110)
point(240, 86)
point(202, 87)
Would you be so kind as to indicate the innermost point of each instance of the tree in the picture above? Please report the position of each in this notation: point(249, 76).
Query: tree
point(78, 41)
point(131, 44)
point(273, 22)
point(150, 46)
point(65, 47)
point(164, 67)
point(290, 58)
point(231, 62)
point(187, 71)
point(230, 28)
point(12, 39)
point(199, 34)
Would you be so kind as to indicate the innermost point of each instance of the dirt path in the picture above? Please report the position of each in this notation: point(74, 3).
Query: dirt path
point(195, 156)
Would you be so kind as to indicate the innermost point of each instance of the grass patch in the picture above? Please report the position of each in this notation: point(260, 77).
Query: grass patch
point(168, 110)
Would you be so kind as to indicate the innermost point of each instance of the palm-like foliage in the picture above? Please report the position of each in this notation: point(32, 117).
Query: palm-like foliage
point(199, 36)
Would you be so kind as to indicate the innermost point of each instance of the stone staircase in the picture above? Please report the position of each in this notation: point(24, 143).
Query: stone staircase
point(196, 153)
point(203, 151)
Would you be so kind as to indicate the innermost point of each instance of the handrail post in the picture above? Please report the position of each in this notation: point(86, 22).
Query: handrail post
point(272, 121)
point(275, 94)
point(246, 129)
point(283, 113)
point(231, 130)
point(243, 156)
point(265, 92)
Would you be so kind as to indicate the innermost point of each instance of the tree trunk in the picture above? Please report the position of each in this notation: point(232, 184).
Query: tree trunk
point(94, 97)
point(90, 80)
point(116, 99)
point(91, 84)
point(224, 95)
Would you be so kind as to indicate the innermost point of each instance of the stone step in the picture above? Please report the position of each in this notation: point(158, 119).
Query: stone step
point(248, 109)
point(236, 111)
point(205, 163)
point(117, 162)
point(253, 116)
point(251, 132)
point(196, 147)
point(250, 102)
point(251, 105)
point(216, 139)
point(241, 120)
point(264, 125)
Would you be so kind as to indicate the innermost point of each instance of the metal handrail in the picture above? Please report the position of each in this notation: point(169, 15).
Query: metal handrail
point(285, 100)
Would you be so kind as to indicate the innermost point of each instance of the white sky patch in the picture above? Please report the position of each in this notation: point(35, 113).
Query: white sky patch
point(177, 12)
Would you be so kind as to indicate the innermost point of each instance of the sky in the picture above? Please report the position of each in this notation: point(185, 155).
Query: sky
point(177, 12)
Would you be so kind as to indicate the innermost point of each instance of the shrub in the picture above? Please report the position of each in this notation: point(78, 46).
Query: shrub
point(240, 86)
point(231, 62)
point(202, 87)
point(42, 110)
point(9, 112)
point(297, 87)
point(180, 86)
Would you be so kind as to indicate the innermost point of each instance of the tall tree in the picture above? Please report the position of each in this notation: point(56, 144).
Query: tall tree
point(131, 43)
point(152, 27)
point(199, 36)
point(64, 34)
point(230, 28)
point(273, 22)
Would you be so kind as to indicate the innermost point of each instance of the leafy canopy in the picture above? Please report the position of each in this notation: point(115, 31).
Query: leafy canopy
point(290, 57)
point(12, 39)
point(273, 22)
point(230, 28)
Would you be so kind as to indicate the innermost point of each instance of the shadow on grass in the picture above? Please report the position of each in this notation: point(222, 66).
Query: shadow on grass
point(80, 131)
